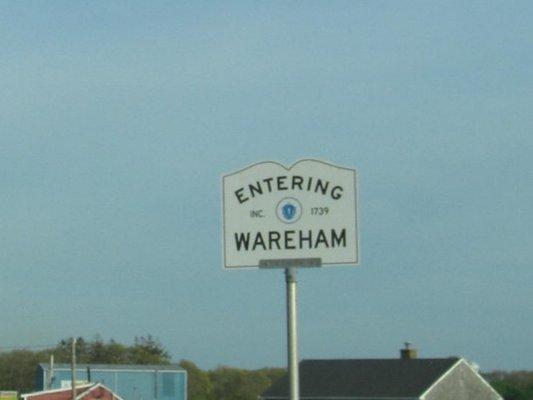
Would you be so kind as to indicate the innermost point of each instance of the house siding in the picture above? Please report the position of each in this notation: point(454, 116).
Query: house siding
point(461, 383)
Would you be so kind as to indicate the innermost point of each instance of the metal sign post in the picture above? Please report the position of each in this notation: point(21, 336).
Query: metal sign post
point(290, 266)
point(292, 334)
point(73, 367)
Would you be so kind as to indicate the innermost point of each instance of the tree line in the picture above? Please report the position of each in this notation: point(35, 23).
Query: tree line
point(516, 385)
point(18, 367)
point(18, 370)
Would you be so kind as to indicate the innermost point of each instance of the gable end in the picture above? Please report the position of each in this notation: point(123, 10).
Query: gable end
point(461, 382)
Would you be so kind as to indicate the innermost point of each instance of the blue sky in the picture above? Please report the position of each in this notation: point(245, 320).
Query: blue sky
point(118, 119)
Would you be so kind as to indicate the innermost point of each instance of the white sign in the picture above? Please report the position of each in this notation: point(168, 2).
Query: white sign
point(277, 213)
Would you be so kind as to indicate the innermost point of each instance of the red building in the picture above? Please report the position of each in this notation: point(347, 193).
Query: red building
point(90, 391)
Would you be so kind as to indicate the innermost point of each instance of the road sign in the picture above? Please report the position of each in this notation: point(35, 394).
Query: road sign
point(306, 211)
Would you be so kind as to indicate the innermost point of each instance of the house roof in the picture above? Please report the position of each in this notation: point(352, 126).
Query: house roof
point(371, 378)
point(79, 389)
point(82, 392)
point(94, 388)
point(127, 367)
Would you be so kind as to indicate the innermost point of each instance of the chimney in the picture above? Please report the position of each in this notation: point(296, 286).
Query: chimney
point(408, 353)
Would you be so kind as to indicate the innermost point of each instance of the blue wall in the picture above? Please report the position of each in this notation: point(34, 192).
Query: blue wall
point(137, 382)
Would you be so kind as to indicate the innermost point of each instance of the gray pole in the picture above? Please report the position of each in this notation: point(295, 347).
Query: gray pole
point(292, 334)
point(73, 366)
point(51, 375)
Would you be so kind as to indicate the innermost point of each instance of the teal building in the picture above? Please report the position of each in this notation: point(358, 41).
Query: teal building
point(131, 382)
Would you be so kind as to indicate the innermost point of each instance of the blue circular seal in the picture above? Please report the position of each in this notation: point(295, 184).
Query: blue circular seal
point(289, 210)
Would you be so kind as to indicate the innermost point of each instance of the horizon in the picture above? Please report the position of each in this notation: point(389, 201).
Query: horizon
point(176, 362)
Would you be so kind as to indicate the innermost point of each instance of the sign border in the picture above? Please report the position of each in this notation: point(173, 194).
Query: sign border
point(358, 257)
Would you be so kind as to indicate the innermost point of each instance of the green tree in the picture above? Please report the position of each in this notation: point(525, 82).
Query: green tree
point(199, 385)
point(509, 392)
point(17, 370)
point(515, 385)
point(109, 353)
point(239, 384)
point(147, 350)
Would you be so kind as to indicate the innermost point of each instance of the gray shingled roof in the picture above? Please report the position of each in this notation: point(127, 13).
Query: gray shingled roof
point(373, 378)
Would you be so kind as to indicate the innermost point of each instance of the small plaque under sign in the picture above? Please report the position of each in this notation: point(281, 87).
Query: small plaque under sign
point(291, 262)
